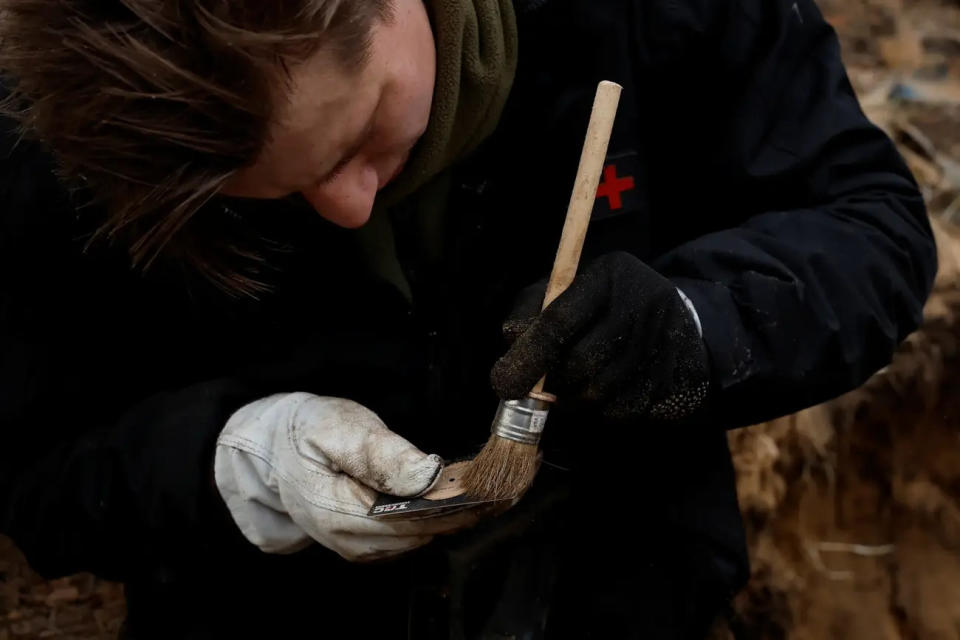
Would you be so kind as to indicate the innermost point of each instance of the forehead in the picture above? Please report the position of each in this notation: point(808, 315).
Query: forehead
point(319, 83)
point(318, 104)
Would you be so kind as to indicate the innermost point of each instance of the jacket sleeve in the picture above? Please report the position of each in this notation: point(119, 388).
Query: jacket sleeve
point(93, 477)
point(130, 497)
point(96, 475)
point(830, 267)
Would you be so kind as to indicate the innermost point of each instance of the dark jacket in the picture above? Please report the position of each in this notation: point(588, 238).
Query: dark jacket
point(758, 186)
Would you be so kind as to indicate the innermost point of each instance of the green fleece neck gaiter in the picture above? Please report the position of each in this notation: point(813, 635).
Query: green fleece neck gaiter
point(476, 61)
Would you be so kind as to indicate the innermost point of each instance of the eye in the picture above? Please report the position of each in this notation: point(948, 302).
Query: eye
point(335, 173)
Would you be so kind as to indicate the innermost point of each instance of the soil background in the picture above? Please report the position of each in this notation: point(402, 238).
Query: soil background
point(852, 508)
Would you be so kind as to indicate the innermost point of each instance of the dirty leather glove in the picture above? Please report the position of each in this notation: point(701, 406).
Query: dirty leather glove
point(620, 340)
point(294, 468)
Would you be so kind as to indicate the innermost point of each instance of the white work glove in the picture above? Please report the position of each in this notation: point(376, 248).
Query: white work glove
point(296, 467)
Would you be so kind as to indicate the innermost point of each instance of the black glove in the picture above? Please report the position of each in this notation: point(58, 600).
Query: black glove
point(620, 339)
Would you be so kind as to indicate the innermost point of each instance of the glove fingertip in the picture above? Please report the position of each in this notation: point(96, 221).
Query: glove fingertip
point(438, 461)
point(419, 478)
point(508, 381)
point(514, 328)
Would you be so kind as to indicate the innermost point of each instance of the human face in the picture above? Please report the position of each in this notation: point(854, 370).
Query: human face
point(340, 137)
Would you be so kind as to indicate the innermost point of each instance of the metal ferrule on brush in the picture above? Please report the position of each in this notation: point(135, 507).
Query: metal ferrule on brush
point(523, 420)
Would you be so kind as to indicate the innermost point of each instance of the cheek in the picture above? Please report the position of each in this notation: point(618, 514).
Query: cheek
point(405, 115)
point(414, 92)
point(424, 103)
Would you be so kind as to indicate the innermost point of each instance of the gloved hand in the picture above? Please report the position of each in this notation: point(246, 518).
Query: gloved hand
point(294, 468)
point(620, 339)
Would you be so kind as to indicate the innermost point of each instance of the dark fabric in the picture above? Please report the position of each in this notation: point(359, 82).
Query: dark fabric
point(476, 60)
point(758, 188)
point(620, 341)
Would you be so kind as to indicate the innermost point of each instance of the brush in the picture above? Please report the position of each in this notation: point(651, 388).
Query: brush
point(506, 466)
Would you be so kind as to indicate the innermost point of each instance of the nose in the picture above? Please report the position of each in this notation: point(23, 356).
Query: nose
point(347, 200)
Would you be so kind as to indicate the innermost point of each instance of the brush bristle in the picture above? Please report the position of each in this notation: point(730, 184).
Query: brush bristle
point(503, 470)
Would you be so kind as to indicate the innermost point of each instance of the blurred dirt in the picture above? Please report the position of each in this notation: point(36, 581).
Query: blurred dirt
point(70, 608)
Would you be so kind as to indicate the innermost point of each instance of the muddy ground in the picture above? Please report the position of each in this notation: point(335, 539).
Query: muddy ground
point(852, 509)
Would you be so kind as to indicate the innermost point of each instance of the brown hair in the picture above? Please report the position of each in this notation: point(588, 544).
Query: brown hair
point(156, 103)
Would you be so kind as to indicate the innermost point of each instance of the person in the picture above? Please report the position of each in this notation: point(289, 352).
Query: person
point(259, 258)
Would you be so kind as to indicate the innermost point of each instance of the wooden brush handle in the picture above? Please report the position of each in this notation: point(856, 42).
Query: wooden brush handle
point(584, 195)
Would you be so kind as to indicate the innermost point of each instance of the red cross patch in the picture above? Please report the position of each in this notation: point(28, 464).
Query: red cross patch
point(617, 193)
